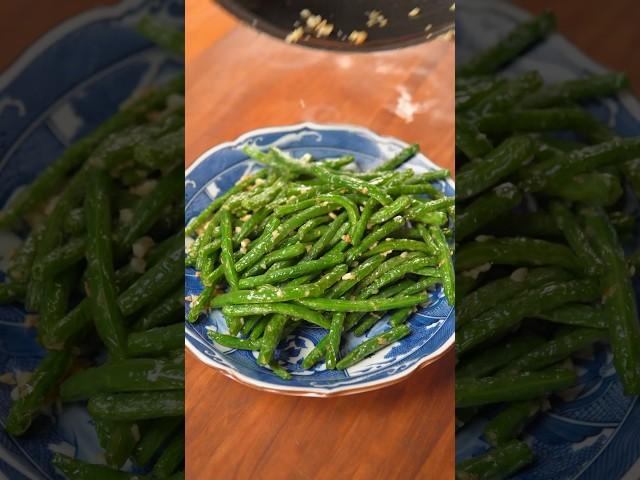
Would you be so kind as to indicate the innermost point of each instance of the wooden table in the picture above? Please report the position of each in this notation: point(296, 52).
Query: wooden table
point(606, 31)
point(239, 80)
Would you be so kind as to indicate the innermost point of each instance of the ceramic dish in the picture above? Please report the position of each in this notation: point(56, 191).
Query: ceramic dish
point(98, 61)
point(595, 435)
point(433, 327)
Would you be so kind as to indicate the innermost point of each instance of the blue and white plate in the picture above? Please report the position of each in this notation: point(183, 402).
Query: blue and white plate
point(219, 169)
point(92, 63)
point(595, 435)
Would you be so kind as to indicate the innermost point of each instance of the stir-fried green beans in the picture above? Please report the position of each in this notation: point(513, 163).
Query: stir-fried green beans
point(543, 262)
point(103, 274)
point(325, 251)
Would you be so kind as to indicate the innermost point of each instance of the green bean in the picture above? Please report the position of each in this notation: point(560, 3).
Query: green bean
point(504, 316)
point(376, 235)
point(525, 224)
point(315, 355)
point(159, 251)
point(578, 315)
point(271, 337)
point(510, 422)
point(516, 251)
point(268, 294)
point(360, 227)
point(488, 361)
point(338, 163)
point(200, 303)
point(521, 386)
point(485, 208)
point(212, 208)
point(352, 278)
point(284, 253)
point(258, 330)
point(280, 371)
point(315, 234)
point(117, 439)
point(470, 140)
point(349, 207)
point(11, 292)
point(137, 406)
point(400, 316)
point(613, 152)
point(430, 176)
point(234, 342)
point(370, 305)
point(226, 255)
point(418, 189)
point(373, 345)
point(399, 245)
point(22, 261)
point(162, 33)
point(398, 206)
point(510, 93)
point(101, 292)
point(368, 320)
point(149, 209)
point(493, 293)
point(60, 259)
point(555, 350)
point(78, 470)
point(77, 321)
point(593, 188)
point(553, 119)
point(38, 389)
point(310, 225)
point(576, 238)
point(171, 458)
point(40, 291)
point(298, 270)
point(619, 300)
point(263, 198)
point(132, 375)
point(335, 334)
point(511, 46)
point(289, 309)
point(154, 437)
point(197, 248)
point(51, 178)
point(505, 159)
point(156, 341)
point(398, 159)
point(162, 314)
point(413, 265)
point(278, 234)
point(587, 88)
point(497, 464)
point(289, 209)
point(386, 266)
point(154, 284)
point(483, 87)
point(249, 324)
point(445, 262)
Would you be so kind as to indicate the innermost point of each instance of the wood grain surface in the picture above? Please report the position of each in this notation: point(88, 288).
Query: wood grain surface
point(606, 31)
point(244, 80)
point(24, 21)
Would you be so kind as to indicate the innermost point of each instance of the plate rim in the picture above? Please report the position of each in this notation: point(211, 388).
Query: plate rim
point(318, 392)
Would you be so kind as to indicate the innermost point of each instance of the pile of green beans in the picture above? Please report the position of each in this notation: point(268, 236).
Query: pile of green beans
point(539, 286)
point(311, 241)
point(102, 272)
